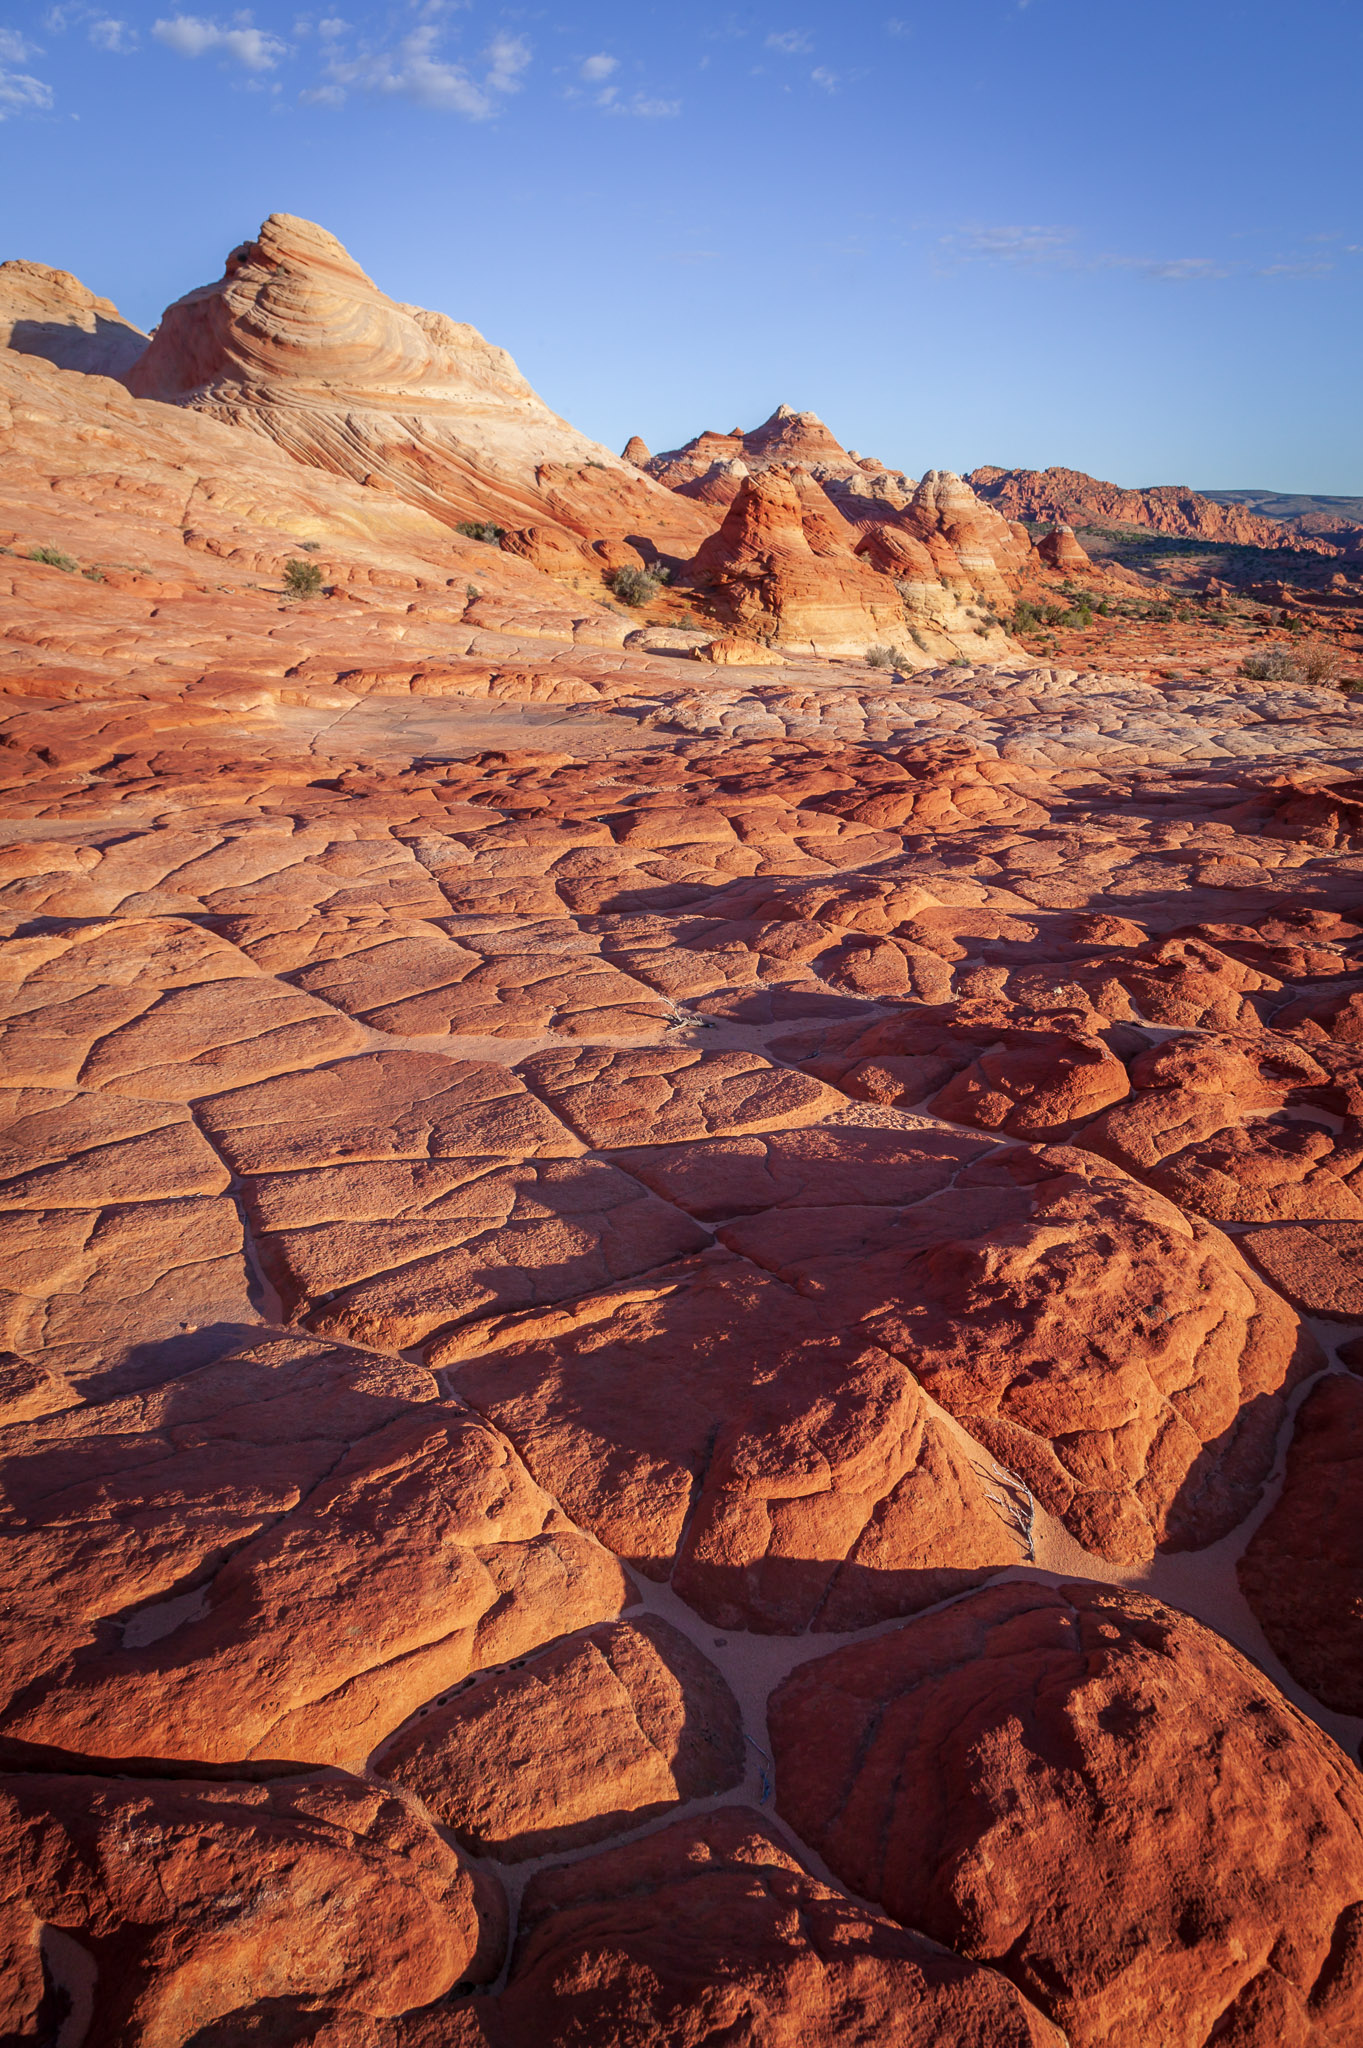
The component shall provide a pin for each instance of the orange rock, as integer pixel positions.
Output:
(1047, 1302)
(297, 343)
(1060, 550)
(711, 1931)
(731, 650)
(783, 1476)
(1302, 1572)
(49, 313)
(588, 1739)
(163, 1907)
(1000, 1776)
(213, 1634)
(772, 568)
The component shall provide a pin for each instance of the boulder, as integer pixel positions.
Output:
(1097, 1796)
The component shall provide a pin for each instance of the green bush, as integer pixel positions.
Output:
(480, 529)
(302, 579)
(1026, 619)
(54, 559)
(309, 547)
(634, 586)
(1274, 665)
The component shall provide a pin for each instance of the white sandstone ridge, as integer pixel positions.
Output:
(297, 342)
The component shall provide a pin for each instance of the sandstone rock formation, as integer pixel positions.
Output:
(51, 314)
(713, 1932)
(594, 1241)
(1000, 1776)
(295, 342)
(1069, 495)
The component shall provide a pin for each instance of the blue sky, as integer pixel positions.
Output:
(1125, 237)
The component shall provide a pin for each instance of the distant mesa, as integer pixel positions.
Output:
(49, 313)
(1069, 496)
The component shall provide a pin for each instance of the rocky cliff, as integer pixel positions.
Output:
(1068, 496)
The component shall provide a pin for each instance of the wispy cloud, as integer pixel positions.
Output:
(1029, 245)
(22, 94)
(791, 42)
(191, 36)
(597, 69)
(821, 75)
(20, 91)
(415, 70)
(1038, 247)
(647, 109)
(114, 36)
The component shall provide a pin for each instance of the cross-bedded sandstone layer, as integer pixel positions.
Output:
(676, 1338)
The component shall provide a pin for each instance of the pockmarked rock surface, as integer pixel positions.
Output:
(596, 1198)
(1098, 1797)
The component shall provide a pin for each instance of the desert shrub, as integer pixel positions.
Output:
(882, 657)
(634, 586)
(1319, 663)
(93, 575)
(917, 639)
(471, 591)
(1026, 618)
(309, 547)
(54, 558)
(302, 579)
(1274, 665)
(479, 529)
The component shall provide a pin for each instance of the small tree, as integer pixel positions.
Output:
(302, 579)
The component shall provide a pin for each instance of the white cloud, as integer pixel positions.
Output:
(597, 68)
(190, 36)
(1054, 248)
(21, 94)
(14, 49)
(821, 75)
(1029, 245)
(791, 42)
(646, 109)
(331, 26)
(414, 71)
(507, 57)
(116, 36)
